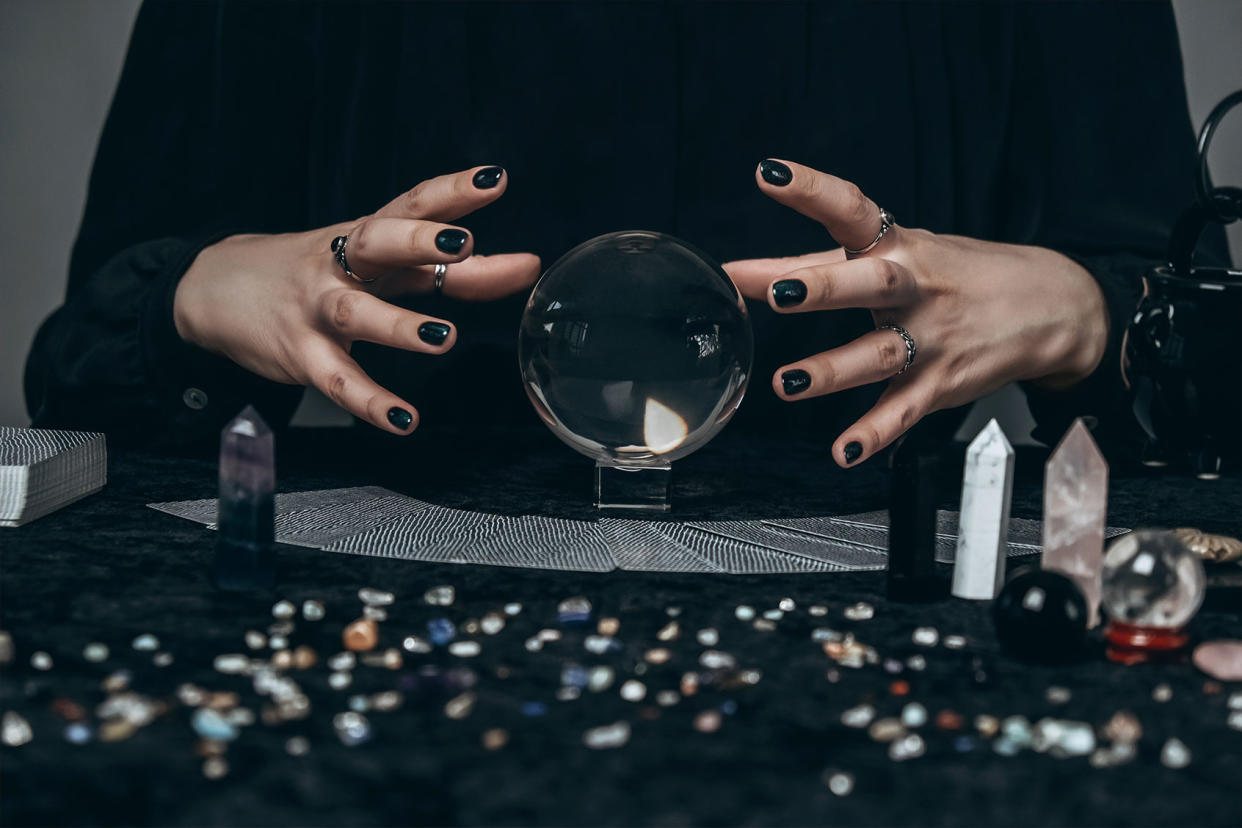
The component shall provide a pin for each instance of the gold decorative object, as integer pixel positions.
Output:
(1214, 548)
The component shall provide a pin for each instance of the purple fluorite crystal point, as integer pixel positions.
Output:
(245, 516)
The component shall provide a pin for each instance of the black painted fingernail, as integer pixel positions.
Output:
(400, 418)
(488, 177)
(451, 241)
(788, 292)
(775, 173)
(433, 333)
(795, 381)
(853, 451)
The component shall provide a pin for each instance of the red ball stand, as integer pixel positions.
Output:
(1133, 644)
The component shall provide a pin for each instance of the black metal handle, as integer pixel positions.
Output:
(1222, 205)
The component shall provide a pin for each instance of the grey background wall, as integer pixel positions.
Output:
(59, 63)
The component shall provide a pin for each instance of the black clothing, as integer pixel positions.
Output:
(1063, 125)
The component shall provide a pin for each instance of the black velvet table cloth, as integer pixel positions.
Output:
(108, 569)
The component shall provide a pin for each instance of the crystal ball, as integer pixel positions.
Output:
(635, 348)
(1151, 579)
(1041, 616)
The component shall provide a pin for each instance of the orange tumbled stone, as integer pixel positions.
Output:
(949, 720)
(899, 688)
(361, 635)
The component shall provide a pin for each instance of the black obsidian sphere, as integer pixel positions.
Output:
(1041, 616)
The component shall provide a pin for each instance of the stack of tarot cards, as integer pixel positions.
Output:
(42, 470)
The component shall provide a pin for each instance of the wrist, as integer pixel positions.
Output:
(1086, 329)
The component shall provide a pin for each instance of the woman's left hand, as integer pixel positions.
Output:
(982, 314)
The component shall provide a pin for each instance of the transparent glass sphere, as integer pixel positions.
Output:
(635, 348)
(1152, 579)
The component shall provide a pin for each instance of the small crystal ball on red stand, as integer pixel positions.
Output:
(1152, 586)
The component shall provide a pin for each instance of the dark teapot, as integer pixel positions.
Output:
(1182, 353)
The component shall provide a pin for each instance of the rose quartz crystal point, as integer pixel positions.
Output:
(1075, 507)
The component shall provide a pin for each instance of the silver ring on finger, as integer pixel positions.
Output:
(440, 270)
(338, 252)
(886, 223)
(911, 348)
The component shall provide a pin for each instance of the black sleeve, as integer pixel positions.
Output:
(195, 147)
(1101, 162)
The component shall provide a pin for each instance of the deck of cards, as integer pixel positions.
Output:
(43, 470)
(378, 522)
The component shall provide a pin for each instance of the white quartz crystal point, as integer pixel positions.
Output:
(1075, 508)
(982, 538)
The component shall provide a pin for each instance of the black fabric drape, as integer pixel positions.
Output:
(1063, 125)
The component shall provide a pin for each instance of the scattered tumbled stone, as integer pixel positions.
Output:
(41, 660)
(917, 663)
(283, 609)
(817, 610)
(1077, 739)
(669, 632)
(914, 715)
(414, 644)
(657, 655)
(786, 605)
(361, 635)
(608, 736)
(600, 644)
(861, 611)
(949, 720)
(859, 716)
(492, 623)
(342, 661)
(375, 613)
(608, 625)
(1124, 726)
(6, 647)
(1235, 720)
(633, 691)
(351, 727)
(215, 767)
(304, 657)
(285, 627)
(465, 649)
(774, 614)
(513, 608)
(1057, 694)
(116, 681)
(840, 783)
(954, 642)
(255, 640)
(764, 624)
(600, 678)
(162, 659)
(340, 680)
(926, 636)
(717, 660)
(909, 746)
(707, 721)
(568, 693)
(95, 652)
(313, 610)
(1162, 692)
(210, 724)
(744, 613)
(1017, 729)
(534, 644)
(440, 596)
(495, 738)
(116, 730)
(708, 637)
(358, 703)
(1175, 754)
(459, 707)
(78, 733)
(278, 642)
(15, 731)
(386, 701)
(373, 597)
(297, 746)
(987, 725)
(441, 631)
(886, 730)
(573, 610)
(231, 663)
(667, 698)
(893, 666)
(672, 612)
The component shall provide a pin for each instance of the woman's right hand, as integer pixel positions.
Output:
(283, 308)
